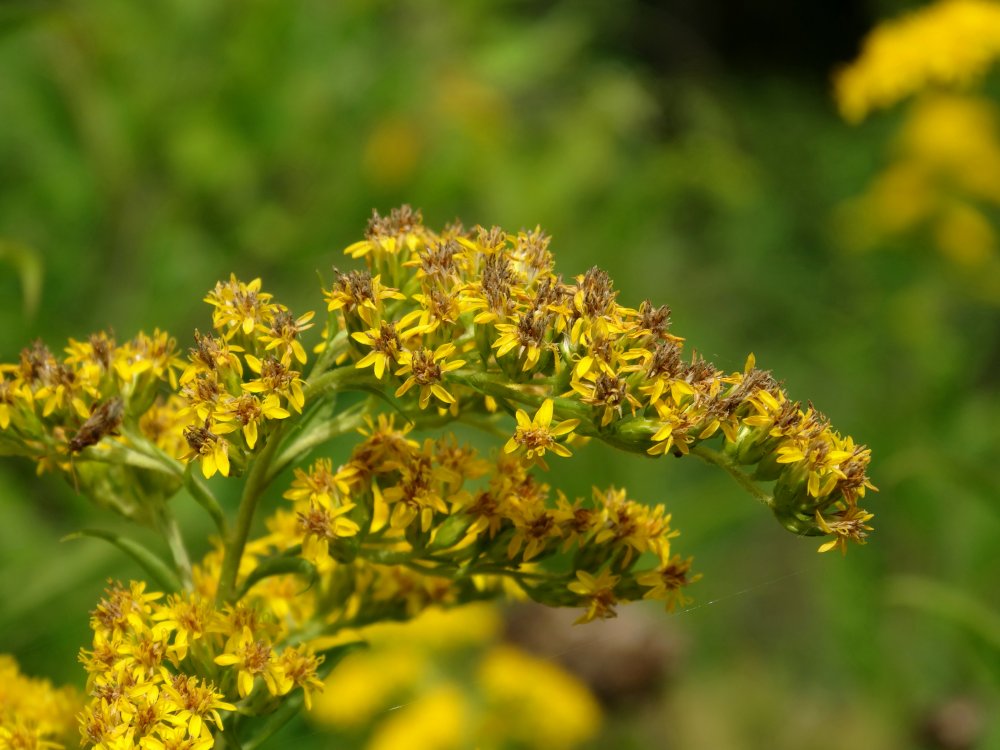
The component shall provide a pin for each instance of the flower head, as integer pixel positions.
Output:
(537, 434)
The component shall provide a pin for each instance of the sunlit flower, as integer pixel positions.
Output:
(427, 370)
(537, 434)
(253, 658)
(284, 335)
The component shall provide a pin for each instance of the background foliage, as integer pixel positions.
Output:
(149, 149)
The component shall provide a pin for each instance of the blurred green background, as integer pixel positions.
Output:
(692, 150)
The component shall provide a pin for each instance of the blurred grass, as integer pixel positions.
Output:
(149, 149)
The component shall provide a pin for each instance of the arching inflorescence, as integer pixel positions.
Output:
(436, 329)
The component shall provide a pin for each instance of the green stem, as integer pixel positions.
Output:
(204, 497)
(342, 378)
(261, 475)
(252, 490)
(197, 489)
(335, 345)
(167, 524)
(315, 436)
(732, 468)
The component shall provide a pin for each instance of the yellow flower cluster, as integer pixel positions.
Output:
(161, 672)
(440, 328)
(495, 327)
(948, 43)
(944, 177)
(34, 715)
(443, 511)
(52, 407)
(227, 397)
(512, 698)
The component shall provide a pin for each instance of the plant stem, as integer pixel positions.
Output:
(252, 490)
(730, 467)
(261, 475)
(204, 497)
(167, 524)
(315, 436)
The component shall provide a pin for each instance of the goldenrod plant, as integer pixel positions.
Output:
(948, 43)
(941, 179)
(437, 329)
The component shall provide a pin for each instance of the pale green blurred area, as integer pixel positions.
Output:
(148, 149)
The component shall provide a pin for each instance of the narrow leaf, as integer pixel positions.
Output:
(157, 569)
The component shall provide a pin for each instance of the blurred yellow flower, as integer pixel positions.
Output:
(435, 721)
(951, 43)
(534, 702)
(404, 684)
(944, 178)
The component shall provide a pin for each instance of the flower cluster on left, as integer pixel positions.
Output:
(33, 714)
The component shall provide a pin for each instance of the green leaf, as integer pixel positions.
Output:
(158, 570)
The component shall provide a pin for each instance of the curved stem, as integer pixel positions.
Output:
(730, 467)
(167, 524)
(204, 497)
(197, 489)
(313, 437)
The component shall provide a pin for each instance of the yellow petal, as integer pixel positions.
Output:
(250, 433)
(543, 417)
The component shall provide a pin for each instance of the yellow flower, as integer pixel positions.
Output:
(385, 342)
(300, 665)
(164, 424)
(211, 355)
(668, 581)
(248, 411)
(240, 307)
(360, 292)
(322, 524)
(275, 377)
(950, 42)
(847, 524)
(599, 591)
(427, 369)
(168, 738)
(188, 618)
(34, 714)
(527, 335)
(537, 435)
(123, 608)
(532, 702)
(211, 448)
(254, 658)
(11, 392)
(284, 334)
(195, 704)
(321, 483)
(402, 230)
(155, 354)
